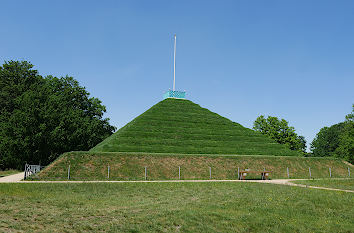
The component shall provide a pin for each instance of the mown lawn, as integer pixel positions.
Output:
(173, 207)
(8, 172)
(347, 184)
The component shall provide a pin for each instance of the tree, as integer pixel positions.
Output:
(345, 147)
(44, 117)
(327, 140)
(280, 131)
(336, 140)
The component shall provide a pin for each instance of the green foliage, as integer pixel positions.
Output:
(327, 140)
(173, 207)
(44, 117)
(181, 126)
(280, 131)
(336, 140)
(345, 148)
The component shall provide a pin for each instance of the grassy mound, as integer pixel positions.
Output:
(181, 126)
(131, 166)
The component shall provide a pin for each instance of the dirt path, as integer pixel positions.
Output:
(12, 178)
(317, 187)
(17, 178)
(289, 182)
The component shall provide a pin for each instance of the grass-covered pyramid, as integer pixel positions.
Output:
(181, 126)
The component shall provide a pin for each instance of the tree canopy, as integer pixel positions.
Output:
(42, 117)
(327, 140)
(280, 131)
(336, 140)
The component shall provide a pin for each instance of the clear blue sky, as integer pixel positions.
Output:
(292, 59)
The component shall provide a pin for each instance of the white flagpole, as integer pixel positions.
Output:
(174, 65)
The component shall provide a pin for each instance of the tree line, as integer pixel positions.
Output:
(336, 140)
(42, 117)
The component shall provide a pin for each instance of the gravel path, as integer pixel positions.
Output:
(317, 187)
(289, 182)
(12, 178)
(17, 178)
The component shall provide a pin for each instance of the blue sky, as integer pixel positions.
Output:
(292, 59)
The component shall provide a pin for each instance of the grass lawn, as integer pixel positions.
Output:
(171, 207)
(338, 184)
(8, 172)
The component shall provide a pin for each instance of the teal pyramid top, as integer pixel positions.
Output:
(174, 94)
(181, 126)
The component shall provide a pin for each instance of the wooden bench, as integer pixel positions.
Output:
(243, 174)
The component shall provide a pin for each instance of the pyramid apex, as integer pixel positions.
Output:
(175, 94)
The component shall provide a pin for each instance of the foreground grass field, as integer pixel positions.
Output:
(347, 184)
(131, 166)
(171, 207)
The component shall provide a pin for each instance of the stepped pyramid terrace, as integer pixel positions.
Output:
(177, 125)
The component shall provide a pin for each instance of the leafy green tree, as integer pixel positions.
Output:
(280, 131)
(336, 140)
(345, 147)
(42, 117)
(327, 140)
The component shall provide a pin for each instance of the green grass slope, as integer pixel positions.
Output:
(181, 126)
(130, 166)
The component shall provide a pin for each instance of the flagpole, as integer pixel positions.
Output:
(174, 65)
